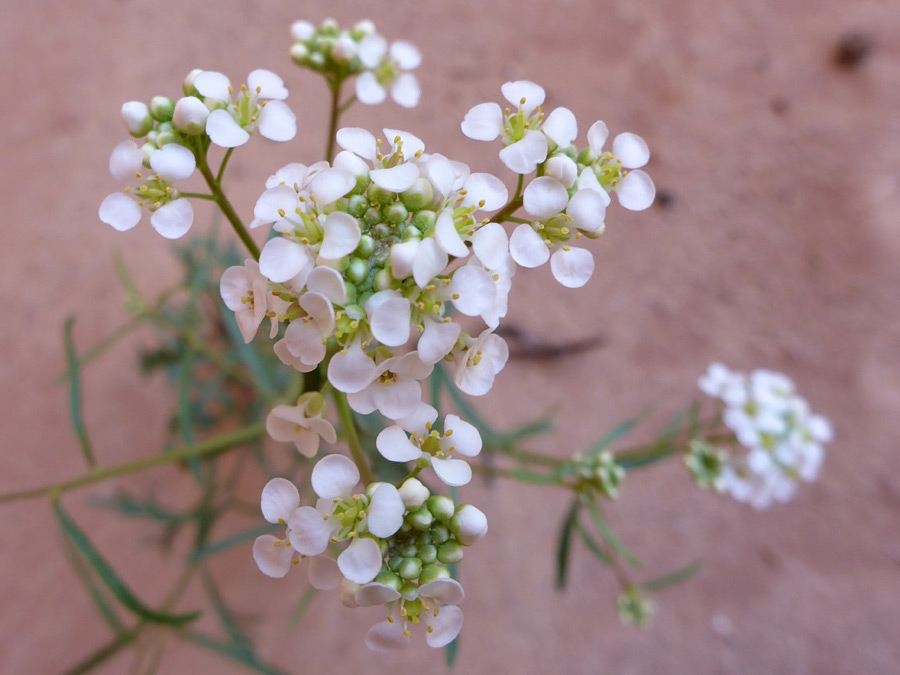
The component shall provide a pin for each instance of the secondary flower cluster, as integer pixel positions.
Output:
(176, 136)
(783, 437)
(398, 543)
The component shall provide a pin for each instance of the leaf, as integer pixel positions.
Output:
(204, 552)
(610, 536)
(130, 507)
(565, 544)
(75, 394)
(89, 581)
(617, 433)
(262, 374)
(451, 652)
(592, 544)
(109, 577)
(105, 652)
(134, 303)
(526, 476)
(229, 651)
(672, 578)
(226, 617)
(655, 454)
(305, 601)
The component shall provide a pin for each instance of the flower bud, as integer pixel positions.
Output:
(419, 195)
(188, 85)
(302, 30)
(420, 519)
(449, 552)
(299, 52)
(439, 534)
(395, 213)
(432, 572)
(427, 553)
(190, 115)
(413, 493)
(441, 507)
(329, 26)
(383, 280)
(161, 108)
(137, 118)
(380, 195)
(366, 246)
(357, 206)
(410, 568)
(344, 49)
(394, 563)
(389, 579)
(363, 28)
(423, 220)
(356, 270)
(469, 524)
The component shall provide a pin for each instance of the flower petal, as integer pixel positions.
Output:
(368, 90)
(386, 637)
(309, 531)
(360, 561)
(173, 162)
(491, 244)
(447, 591)
(588, 210)
(174, 219)
(487, 188)
(448, 237)
(454, 472)
(527, 248)
(330, 185)
(406, 91)
(277, 121)
(324, 574)
(447, 625)
(437, 340)
(372, 49)
(596, 136)
(375, 594)
(282, 259)
(358, 141)
(636, 191)
(120, 211)
(430, 260)
(212, 85)
(268, 84)
(523, 156)
(280, 498)
(545, 197)
(462, 435)
(342, 235)
(483, 122)
(397, 178)
(394, 445)
(389, 317)
(523, 94)
(272, 555)
(328, 281)
(386, 509)
(125, 160)
(572, 267)
(631, 149)
(406, 54)
(224, 131)
(561, 126)
(334, 476)
(351, 371)
(471, 290)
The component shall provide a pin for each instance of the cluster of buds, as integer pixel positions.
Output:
(598, 473)
(782, 437)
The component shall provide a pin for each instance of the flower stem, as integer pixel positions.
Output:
(336, 110)
(512, 205)
(206, 448)
(359, 456)
(227, 208)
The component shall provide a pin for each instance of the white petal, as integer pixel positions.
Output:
(309, 531)
(572, 268)
(596, 136)
(224, 131)
(532, 94)
(405, 91)
(464, 436)
(419, 419)
(277, 121)
(402, 258)
(375, 594)
(320, 309)
(385, 513)
(389, 316)
(448, 237)
(368, 90)
(386, 637)
(563, 168)
(588, 181)
(372, 49)
(471, 525)
(430, 261)
(280, 498)
(358, 141)
(471, 290)
(527, 248)
(437, 341)
(351, 163)
(439, 170)
(174, 219)
(447, 625)
(395, 446)
(120, 211)
(483, 122)
(397, 178)
(545, 197)
(126, 160)
(400, 399)
(454, 472)
(491, 244)
(302, 30)
(412, 144)
(173, 162)
(487, 188)
(342, 235)
(588, 210)
(304, 341)
(360, 561)
(269, 84)
(273, 560)
(233, 286)
(406, 54)
(636, 191)
(334, 476)
(324, 574)
(523, 156)
(561, 126)
(631, 149)
(281, 198)
(213, 85)
(330, 185)
(352, 371)
(328, 282)
(282, 259)
(447, 591)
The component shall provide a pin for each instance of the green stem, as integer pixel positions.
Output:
(206, 448)
(512, 205)
(223, 165)
(197, 195)
(336, 111)
(359, 456)
(227, 208)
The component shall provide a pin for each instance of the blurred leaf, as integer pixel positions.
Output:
(229, 651)
(89, 581)
(109, 577)
(695, 419)
(526, 476)
(208, 550)
(672, 578)
(620, 431)
(263, 375)
(130, 507)
(133, 302)
(565, 544)
(75, 394)
(451, 652)
(592, 544)
(237, 637)
(300, 610)
(654, 454)
(105, 652)
(610, 536)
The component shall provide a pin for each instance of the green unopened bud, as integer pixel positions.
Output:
(419, 196)
(372, 216)
(412, 233)
(439, 534)
(148, 149)
(441, 507)
(188, 85)
(189, 116)
(428, 553)
(137, 118)
(329, 26)
(420, 519)
(408, 550)
(395, 213)
(389, 579)
(413, 493)
(432, 572)
(299, 52)
(362, 28)
(315, 60)
(357, 206)
(383, 280)
(166, 137)
(366, 246)
(371, 487)
(469, 524)
(380, 195)
(450, 552)
(313, 403)
(356, 270)
(410, 568)
(423, 539)
(161, 108)
(423, 220)
(394, 563)
(410, 593)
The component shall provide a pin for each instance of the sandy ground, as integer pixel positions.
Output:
(776, 248)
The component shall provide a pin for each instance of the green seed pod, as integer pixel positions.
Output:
(441, 507)
(423, 220)
(395, 213)
(449, 552)
(423, 539)
(410, 568)
(432, 572)
(419, 195)
(428, 553)
(421, 518)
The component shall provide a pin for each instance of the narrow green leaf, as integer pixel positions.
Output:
(126, 505)
(526, 476)
(229, 651)
(204, 552)
(226, 616)
(672, 578)
(134, 303)
(75, 394)
(623, 429)
(565, 544)
(694, 415)
(451, 652)
(655, 454)
(88, 580)
(300, 610)
(105, 652)
(610, 536)
(592, 544)
(109, 577)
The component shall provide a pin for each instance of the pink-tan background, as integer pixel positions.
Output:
(778, 248)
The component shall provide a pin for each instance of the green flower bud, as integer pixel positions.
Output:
(432, 572)
(329, 26)
(299, 52)
(423, 220)
(372, 216)
(189, 116)
(161, 108)
(419, 196)
(423, 539)
(362, 184)
(188, 85)
(441, 507)
(166, 137)
(357, 206)
(410, 592)
(389, 579)
(383, 280)
(408, 551)
(362, 29)
(356, 270)
(420, 519)
(410, 568)
(316, 60)
(439, 534)
(137, 118)
(411, 233)
(395, 213)
(394, 563)
(366, 246)
(428, 553)
(380, 195)
(413, 493)
(450, 552)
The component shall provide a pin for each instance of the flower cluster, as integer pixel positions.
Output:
(783, 438)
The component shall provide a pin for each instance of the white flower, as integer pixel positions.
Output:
(394, 389)
(259, 104)
(635, 189)
(275, 557)
(294, 424)
(387, 69)
(306, 335)
(479, 361)
(244, 291)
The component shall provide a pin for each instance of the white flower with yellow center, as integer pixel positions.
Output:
(245, 292)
